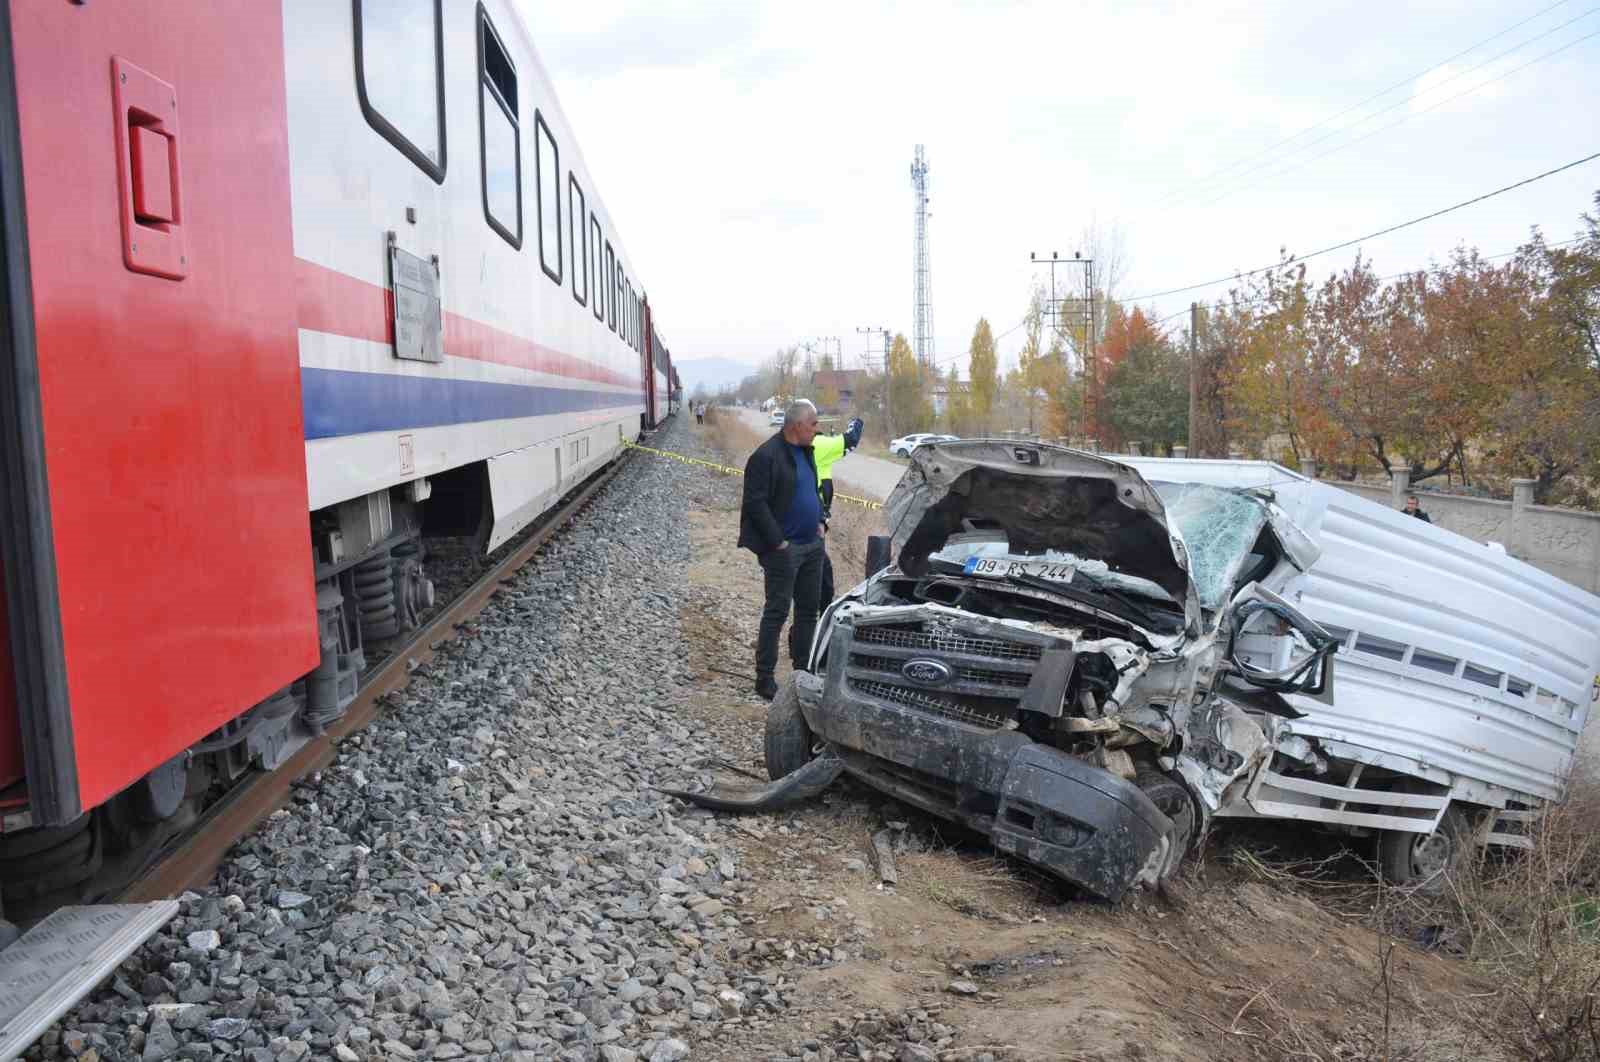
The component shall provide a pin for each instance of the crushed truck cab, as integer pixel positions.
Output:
(1091, 660)
(1047, 661)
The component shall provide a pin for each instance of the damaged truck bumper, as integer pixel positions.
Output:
(1074, 820)
(793, 788)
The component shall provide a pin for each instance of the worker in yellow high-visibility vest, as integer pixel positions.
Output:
(827, 449)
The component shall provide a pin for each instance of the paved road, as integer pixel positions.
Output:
(856, 473)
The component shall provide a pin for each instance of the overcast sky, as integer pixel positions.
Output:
(755, 157)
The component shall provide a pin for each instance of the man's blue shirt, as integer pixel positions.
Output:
(805, 511)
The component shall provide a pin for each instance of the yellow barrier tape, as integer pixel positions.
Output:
(729, 470)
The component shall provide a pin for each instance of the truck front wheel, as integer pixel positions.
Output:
(1425, 862)
(788, 738)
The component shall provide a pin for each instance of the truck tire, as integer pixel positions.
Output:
(1172, 799)
(1425, 862)
(788, 739)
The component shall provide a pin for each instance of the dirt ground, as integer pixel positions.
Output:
(1222, 967)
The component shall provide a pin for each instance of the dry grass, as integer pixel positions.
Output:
(1533, 922)
(1528, 921)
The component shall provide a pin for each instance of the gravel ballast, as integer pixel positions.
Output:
(486, 871)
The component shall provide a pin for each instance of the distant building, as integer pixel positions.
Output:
(943, 392)
(843, 382)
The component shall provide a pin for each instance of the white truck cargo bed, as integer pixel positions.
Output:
(1459, 664)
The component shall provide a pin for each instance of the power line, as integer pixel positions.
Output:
(1398, 122)
(1369, 236)
(1183, 194)
(1357, 106)
(1390, 276)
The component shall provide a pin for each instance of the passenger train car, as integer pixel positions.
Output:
(289, 285)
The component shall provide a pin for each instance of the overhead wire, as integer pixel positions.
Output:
(1301, 164)
(1391, 276)
(1357, 106)
(1369, 236)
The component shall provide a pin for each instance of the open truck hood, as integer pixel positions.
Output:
(1045, 498)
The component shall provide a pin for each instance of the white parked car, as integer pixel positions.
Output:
(776, 419)
(903, 446)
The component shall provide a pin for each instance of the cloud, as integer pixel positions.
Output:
(754, 156)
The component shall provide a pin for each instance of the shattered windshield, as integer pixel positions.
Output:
(995, 546)
(1218, 527)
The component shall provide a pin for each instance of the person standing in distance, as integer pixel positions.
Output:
(780, 521)
(827, 449)
(1413, 509)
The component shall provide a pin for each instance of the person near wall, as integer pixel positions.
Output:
(1413, 509)
(780, 521)
(828, 449)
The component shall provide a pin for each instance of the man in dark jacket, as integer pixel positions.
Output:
(1413, 509)
(781, 523)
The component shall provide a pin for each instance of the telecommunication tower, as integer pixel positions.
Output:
(921, 268)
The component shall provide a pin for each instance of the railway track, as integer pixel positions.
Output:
(192, 860)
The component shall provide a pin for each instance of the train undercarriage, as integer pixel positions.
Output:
(372, 592)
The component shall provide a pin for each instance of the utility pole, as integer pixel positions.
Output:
(1194, 373)
(888, 376)
(1080, 317)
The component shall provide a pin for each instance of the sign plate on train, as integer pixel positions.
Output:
(418, 322)
(1000, 568)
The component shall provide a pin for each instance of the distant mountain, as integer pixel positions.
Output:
(714, 373)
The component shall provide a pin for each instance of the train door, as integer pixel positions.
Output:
(647, 366)
(157, 552)
(18, 417)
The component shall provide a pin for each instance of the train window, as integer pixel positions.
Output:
(547, 171)
(611, 300)
(501, 135)
(580, 246)
(616, 286)
(402, 100)
(593, 251)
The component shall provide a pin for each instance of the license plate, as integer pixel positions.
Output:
(995, 568)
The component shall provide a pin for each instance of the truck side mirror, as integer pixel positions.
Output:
(879, 553)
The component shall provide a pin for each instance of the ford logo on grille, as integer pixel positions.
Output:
(926, 672)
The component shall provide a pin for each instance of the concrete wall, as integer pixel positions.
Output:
(1563, 542)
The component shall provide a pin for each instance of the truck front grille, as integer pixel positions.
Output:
(990, 719)
(914, 636)
(890, 665)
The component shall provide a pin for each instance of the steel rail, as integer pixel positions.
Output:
(191, 863)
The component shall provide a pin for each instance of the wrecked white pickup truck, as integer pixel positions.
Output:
(1089, 660)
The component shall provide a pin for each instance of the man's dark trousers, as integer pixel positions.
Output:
(793, 576)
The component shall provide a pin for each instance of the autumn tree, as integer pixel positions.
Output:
(1125, 330)
(909, 409)
(1146, 394)
(1546, 425)
(983, 371)
(1028, 379)
(1222, 332)
(958, 413)
(1063, 391)
(1272, 385)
